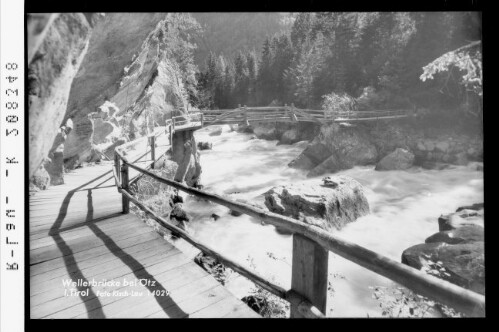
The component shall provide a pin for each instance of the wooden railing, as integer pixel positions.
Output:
(311, 246)
(287, 113)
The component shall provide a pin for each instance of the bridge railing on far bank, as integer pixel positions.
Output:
(311, 247)
(246, 115)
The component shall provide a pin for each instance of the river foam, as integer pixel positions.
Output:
(404, 206)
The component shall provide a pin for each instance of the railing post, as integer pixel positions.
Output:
(309, 273)
(293, 115)
(124, 185)
(117, 165)
(153, 150)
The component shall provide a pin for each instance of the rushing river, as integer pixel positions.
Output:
(404, 206)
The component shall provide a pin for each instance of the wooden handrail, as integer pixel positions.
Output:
(291, 296)
(307, 302)
(466, 301)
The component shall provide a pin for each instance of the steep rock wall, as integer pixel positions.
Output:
(50, 73)
(122, 58)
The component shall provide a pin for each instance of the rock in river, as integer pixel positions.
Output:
(456, 253)
(323, 206)
(462, 264)
(398, 159)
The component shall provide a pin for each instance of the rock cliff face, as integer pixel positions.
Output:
(110, 76)
(50, 73)
(122, 58)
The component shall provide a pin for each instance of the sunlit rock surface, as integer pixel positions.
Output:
(325, 206)
(121, 60)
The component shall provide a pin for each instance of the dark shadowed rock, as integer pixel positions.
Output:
(463, 264)
(256, 302)
(290, 136)
(179, 213)
(302, 162)
(265, 131)
(216, 132)
(205, 146)
(399, 159)
(326, 207)
(459, 235)
(177, 199)
(212, 266)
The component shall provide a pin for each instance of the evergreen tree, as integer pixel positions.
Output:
(252, 62)
(241, 87)
(265, 88)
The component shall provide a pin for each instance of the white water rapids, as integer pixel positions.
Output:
(404, 207)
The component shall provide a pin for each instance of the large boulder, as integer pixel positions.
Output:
(336, 148)
(327, 207)
(462, 264)
(399, 159)
(314, 154)
(265, 131)
(456, 253)
(290, 136)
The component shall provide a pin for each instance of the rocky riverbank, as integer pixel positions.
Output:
(456, 252)
(391, 145)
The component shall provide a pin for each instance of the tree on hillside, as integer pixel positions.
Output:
(252, 62)
(265, 84)
(241, 87)
(468, 61)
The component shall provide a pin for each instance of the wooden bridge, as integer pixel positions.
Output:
(83, 230)
(247, 115)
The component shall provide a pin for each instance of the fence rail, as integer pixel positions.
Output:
(311, 246)
(287, 113)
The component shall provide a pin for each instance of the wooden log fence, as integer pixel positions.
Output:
(311, 244)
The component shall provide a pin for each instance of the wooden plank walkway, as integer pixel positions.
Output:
(78, 234)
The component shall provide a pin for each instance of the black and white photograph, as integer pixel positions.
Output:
(264, 164)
